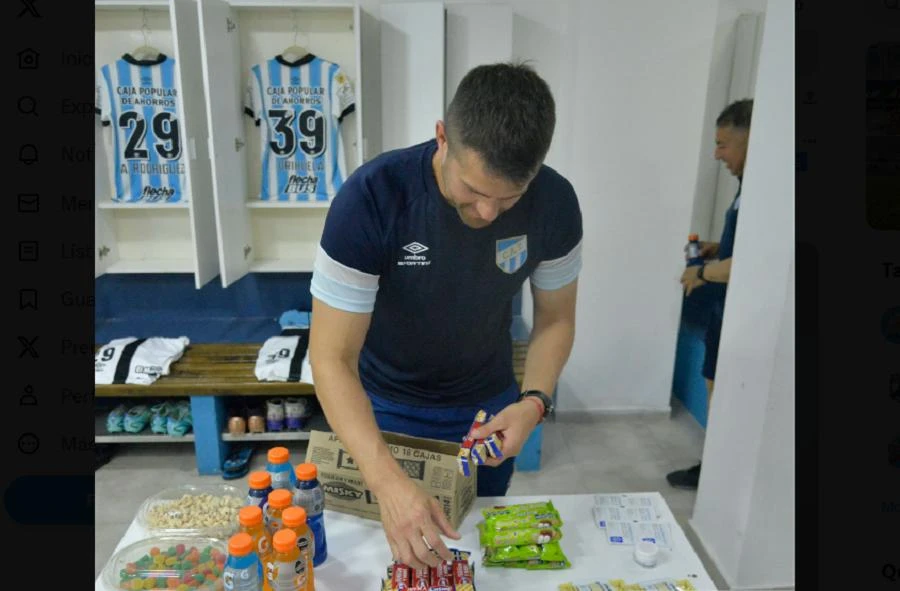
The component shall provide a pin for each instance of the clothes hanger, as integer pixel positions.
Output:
(294, 52)
(145, 51)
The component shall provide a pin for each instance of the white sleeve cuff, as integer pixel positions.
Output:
(342, 287)
(557, 273)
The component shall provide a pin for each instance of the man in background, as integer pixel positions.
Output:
(732, 136)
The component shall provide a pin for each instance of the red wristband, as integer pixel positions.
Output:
(540, 406)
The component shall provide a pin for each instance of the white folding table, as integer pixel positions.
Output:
(358, 553)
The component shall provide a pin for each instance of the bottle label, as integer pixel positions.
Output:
(313, 500)
(286, 576)
(306, 546)
(260, 501)
(262, 545)
(242, 579)
(281, 480)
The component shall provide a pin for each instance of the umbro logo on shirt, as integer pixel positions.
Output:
(415, 248)
(415, 258)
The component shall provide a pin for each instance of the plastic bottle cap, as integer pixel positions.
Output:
(293, 516)
(250, 515)
(280, 498)
(284, 540)
(260, 479)
(278, 455)
(646, 554)
(694, 237)
(306, 471)
(240, 544)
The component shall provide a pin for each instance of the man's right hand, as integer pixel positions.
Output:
(709, 250)
(409, 514)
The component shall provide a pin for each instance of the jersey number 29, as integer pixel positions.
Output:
(165, 130)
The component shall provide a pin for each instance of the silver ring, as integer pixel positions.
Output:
(430, 548)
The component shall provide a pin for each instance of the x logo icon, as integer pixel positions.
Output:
(28, 347)
(29, 8)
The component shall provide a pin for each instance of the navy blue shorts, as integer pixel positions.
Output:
(713, 332)
(449, 424)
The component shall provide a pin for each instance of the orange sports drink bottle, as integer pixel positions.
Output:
(285, 570)
(294, 518)
(279, 500)
(250, 519)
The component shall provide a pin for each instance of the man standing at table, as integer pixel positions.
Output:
(732, 136)
(423, 250)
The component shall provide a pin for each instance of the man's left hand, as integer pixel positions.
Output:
(514, 423)
(690, 281)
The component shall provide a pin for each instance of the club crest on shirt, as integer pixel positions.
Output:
(512, 253)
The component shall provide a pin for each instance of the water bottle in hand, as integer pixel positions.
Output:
(693, 251)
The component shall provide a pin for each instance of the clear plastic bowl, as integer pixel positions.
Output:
(209, 510)
(133, 565)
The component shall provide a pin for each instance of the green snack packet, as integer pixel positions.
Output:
(524, 520)
(519, 537)
(512, 553)
(526, 508)
(535, 564)
(545, 552)
(544, 565)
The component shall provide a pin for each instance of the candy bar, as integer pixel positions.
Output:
(400, 577)
(442, 575)
(492, 442)
(462, 576)
(460, 554)
(463, 463)
(479, 454)
(420, 580)
(480, 419)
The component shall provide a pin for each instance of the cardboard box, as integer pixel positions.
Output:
(430, 463)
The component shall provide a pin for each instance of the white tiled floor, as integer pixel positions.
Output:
(618, 453)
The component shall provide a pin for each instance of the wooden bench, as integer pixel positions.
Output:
(222, 369)
(207, 373)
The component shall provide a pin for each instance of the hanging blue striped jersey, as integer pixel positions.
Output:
(302, 104)
(138, 99)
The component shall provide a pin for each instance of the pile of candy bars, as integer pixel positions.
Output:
(457, 575)
(478, 450)
(522, 536)
(620, 585)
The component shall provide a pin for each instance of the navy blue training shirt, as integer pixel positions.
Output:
(440, 293)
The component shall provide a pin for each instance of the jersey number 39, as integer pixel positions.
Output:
(310, 129)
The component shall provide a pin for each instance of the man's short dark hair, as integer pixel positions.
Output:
(737, 114)
(504, 112)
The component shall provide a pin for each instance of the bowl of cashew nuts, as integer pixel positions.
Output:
(206, 510)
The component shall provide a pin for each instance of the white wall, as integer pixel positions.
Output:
(715, 185)
(637, 98)
(764, 563)
(412, 71)
(744, 509)
(477, 33)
